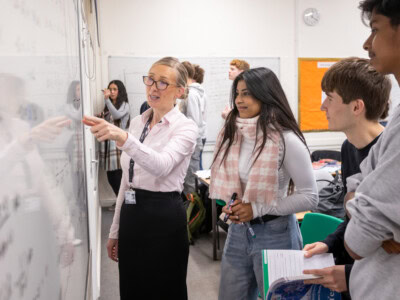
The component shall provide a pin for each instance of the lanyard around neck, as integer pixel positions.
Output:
(144, 134)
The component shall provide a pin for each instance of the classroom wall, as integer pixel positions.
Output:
(340, 33)
(160, 28)
(260, 28)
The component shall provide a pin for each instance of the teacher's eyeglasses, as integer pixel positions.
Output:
(160, 85)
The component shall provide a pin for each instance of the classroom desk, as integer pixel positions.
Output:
(205, 181)
(217, 252)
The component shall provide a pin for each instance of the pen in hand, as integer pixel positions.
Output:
(247, 224)
(233, 198)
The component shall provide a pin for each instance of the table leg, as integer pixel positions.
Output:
(215, 235)
(214, 227)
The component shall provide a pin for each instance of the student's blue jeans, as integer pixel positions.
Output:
(241, 266)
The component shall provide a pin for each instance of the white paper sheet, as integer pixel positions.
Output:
(291, 263)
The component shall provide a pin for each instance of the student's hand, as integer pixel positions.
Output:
(106, 93)
(104, 130)
(241, 212)
(391, 247)
(236, 207)
(315, 248)
(229, 211)
(349, 196)
(333, 278)
(112, 249)
(100, 115)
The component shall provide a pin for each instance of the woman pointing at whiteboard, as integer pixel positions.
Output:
(148, 236)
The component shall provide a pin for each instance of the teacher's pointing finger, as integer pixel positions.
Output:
(91, 121)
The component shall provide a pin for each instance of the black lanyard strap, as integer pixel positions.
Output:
(144, 134)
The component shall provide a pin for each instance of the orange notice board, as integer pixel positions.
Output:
(311, 71)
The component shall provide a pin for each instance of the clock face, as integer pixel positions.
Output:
(311, 16)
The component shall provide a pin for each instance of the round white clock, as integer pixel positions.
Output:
(311, 16)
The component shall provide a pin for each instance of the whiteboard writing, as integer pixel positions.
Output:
(44, 251)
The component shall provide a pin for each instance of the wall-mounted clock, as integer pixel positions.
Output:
(311, 16)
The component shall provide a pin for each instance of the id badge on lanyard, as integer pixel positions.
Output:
(130, 194)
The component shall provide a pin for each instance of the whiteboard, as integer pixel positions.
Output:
(44, 249)
(216, 82)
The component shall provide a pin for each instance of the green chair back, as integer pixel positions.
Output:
(316, 227)
(220, 202)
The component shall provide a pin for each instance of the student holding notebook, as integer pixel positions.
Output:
(357, 98)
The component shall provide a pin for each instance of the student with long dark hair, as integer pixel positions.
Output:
(116, 111)
(257, 152)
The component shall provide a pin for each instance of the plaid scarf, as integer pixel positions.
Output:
(262, 185)
(110, 155)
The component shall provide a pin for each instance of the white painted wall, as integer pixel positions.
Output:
(340, 33)
(220, 28)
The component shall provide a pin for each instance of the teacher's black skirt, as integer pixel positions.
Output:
(153, 247)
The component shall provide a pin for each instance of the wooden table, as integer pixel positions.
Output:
(217, 252)
(206, 181)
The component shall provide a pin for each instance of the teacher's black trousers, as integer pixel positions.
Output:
(153, 247)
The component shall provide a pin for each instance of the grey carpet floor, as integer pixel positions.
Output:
(203, 272)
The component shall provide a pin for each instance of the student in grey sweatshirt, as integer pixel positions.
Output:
(192, 108)
(198, 78)
(375, 206)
